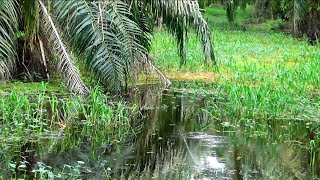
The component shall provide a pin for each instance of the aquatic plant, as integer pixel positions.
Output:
(264, 93)
(38, 127)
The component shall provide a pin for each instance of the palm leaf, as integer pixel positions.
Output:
(66, 66)
(9, 21)
(103, 35)
(187, 12)
(296, 10)
(178, 15)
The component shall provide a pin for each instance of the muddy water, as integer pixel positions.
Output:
(174, 142)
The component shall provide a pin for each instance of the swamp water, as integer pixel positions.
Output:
(188, 134)
(181, 139)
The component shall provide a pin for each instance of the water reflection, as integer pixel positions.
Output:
(171, 145)
(209, 155)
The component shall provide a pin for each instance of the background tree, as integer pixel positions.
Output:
(231, 9)
(295, 10)
(203, 3)
(303, 16)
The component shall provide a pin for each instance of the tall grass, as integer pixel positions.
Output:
(266, 86)
(38, 127)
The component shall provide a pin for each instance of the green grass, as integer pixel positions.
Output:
(30, 88)
(67, 131)
(269, 83)
(217, 15)
(266, 89)
(272, 71)
(251, 58)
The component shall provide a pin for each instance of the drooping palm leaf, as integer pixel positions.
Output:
(9, 21)
(126, 32)
(66, 65)
(103, 35)
(178, 15)
(143, 18)
(111, 37)
(189, 12)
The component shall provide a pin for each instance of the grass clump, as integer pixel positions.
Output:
(59, 136)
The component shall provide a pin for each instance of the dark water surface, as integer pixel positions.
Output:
(175, 141)
(191, 134)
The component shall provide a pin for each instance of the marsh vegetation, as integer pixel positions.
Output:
(250, 110)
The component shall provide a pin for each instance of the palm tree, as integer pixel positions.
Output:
(296, 10)
(305, 17)
(231, 9)
(110, 38)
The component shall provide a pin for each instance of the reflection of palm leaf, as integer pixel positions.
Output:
(9, 21)
(66, 66)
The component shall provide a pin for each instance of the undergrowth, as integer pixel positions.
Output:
(45, 135)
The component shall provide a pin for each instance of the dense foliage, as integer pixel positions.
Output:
(255, 115)
(110, 38)
(303, 15)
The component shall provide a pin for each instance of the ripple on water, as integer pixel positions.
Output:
(208, 160)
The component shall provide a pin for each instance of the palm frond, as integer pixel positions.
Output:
(295, 10)
(178, 15)
(190, 12)
(30, 15)
(298, 12)
(103, 34)
(66, 66)
(9, 21)
(141, 15)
